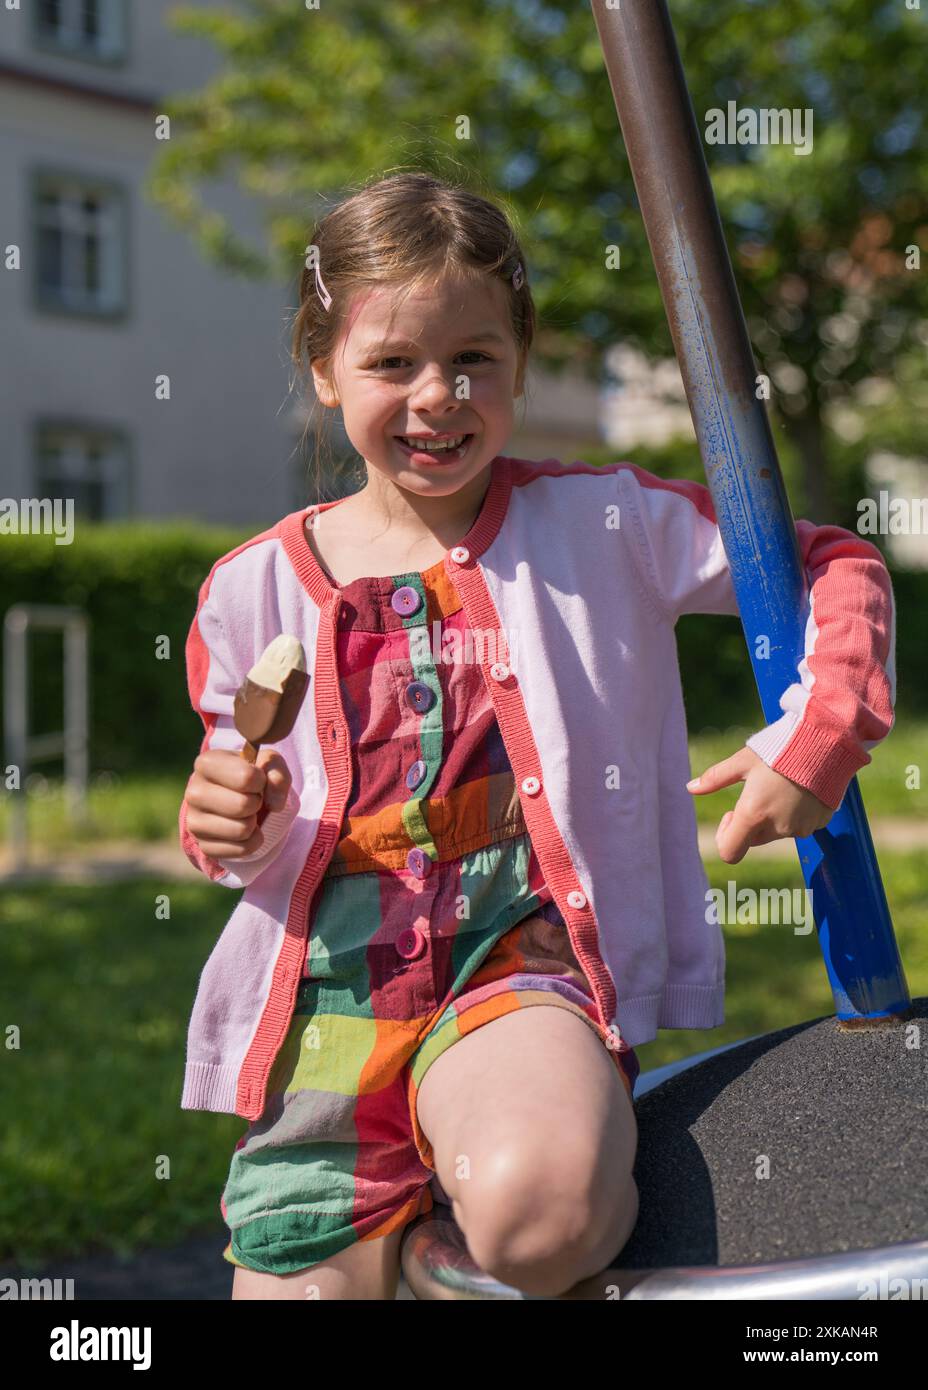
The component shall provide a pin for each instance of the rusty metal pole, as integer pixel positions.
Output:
(681, 218)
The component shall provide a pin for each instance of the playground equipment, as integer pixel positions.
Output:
(836, 1099)
(842, 1215)
(22, 749)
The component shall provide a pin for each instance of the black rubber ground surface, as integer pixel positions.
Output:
(193, 1270)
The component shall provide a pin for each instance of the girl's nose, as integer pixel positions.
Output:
(434, 388)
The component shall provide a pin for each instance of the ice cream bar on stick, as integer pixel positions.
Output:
(269, 698)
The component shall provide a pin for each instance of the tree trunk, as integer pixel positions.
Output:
(807, 434)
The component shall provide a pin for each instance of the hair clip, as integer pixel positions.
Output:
(518, 277)
(322, 291)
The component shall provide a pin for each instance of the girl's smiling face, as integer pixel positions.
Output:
(447, 364)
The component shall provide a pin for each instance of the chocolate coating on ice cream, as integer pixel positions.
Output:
(269, 699)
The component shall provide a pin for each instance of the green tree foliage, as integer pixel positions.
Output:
(312, 103)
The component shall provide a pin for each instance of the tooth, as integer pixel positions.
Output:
(432, 446)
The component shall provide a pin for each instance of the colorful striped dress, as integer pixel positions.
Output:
(433, 918)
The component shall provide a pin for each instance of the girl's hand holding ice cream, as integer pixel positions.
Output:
(227, 798)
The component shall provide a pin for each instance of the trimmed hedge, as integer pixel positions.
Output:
(138, 583)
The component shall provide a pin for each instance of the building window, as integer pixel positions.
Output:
(94, 29)
(87, 463)
(80, 230)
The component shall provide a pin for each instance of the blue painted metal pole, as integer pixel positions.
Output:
(681, 218)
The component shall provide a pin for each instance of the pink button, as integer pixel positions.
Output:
(406, 600)
(410, 943)
(419, 863)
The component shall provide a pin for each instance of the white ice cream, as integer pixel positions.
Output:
(279, 658)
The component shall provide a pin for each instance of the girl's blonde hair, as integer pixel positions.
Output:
(403, 231)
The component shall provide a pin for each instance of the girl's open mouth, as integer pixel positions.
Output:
(416, 449)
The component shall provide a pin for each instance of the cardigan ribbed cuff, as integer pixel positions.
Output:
(813, 757)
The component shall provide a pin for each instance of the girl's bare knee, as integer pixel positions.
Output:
(541, 1237)
(521, 1211)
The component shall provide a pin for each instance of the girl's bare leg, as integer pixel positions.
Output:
(368, 1270)
(534, 1135)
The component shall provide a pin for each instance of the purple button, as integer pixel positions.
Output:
(419, 863)
(410, 943)
(416, 774)
(420, 696)
(406, 600)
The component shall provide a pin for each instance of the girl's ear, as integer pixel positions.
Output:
(519, 387)
(325, 389)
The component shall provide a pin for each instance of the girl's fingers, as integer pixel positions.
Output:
(221, 849)
(233, 833)
(229, 829)
(212, 799)
(278, 777)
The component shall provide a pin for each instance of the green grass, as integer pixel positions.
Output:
(146, 807)
(885, 783)
(100, 990)
(141, 808)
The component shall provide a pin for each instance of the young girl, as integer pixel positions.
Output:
(471, 873)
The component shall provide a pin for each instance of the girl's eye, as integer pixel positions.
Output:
(470, 352)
